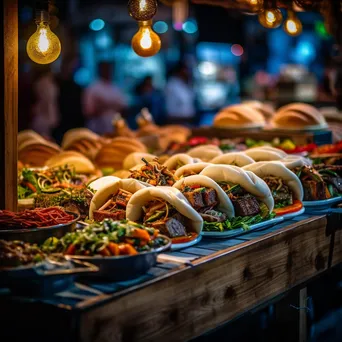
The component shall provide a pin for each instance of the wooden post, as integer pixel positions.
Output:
(9, 109)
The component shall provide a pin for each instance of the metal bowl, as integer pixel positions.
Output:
(39, 235)
(39, 280)
(124, 267)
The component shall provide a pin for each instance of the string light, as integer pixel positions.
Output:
(252, 5)
(142, 10)
(146, 42)
(270, 18)
(43, 47)
(292, 24)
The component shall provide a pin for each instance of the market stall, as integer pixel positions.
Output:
(163, 233)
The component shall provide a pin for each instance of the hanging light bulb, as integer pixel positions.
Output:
(270, 18)
(252, 6)
(43, 47)
(292, 25)
(142, 10)
(146, 42)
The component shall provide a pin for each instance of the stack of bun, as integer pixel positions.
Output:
(113, 154)
(82, 140)
(298, 116)
(78, 161)
(34, 150)
(264, 109)
(239, 116)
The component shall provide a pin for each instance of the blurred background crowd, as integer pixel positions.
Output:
(213, 58)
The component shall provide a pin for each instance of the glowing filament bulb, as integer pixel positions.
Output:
(292, 25)
(142, 5)
(146, 42)
(43, 47)
(43, 41)
(270, 18)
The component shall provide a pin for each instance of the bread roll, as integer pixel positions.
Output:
(135, 158)
(260, 154)
(239, 116)
(298, 116)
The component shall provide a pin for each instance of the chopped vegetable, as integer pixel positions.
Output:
(108, 238)
(296, 206)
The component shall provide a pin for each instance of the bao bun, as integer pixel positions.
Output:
(205, 152)
(74, 159)
(276, 169)
(182, 158)
(246, 179)
(134, 211)
(196, 168)
(135, 158)
(233, 158)
(260, 154)
(298, 116)
(111, 188)
(239, 116)
(225, 204)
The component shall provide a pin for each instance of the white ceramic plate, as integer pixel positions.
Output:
(323, 204)
(177, 246)
(292, 215)
(240, 231)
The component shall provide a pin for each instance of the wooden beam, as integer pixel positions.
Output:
(218, 288)
(9, 109)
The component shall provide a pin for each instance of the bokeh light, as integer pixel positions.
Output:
(190, 27)
(97, 25)
(237, 50)
(160, 27)
(178, 26)
(207, 68)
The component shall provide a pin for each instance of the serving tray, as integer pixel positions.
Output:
(240, 231)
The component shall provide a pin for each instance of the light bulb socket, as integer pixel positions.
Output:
(42, 16)
(145, 23)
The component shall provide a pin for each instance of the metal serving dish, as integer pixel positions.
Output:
(45, 278)
(124, 267)
(39, 235)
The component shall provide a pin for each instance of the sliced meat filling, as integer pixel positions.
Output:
(246, 206)
(280, 191)
(162, 216)
(114, 208)
(315, 191)
(100, 215)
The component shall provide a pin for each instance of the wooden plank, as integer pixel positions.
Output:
(9, 109)
(215, 290)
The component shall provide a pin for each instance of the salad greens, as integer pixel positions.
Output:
(108, 238)
(237, 222)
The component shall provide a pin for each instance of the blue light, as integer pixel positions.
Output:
(82, 77)
(103, 40)
(97, 25)
(190, 27)
(160, 27)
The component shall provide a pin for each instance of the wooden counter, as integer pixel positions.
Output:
(191, 291)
